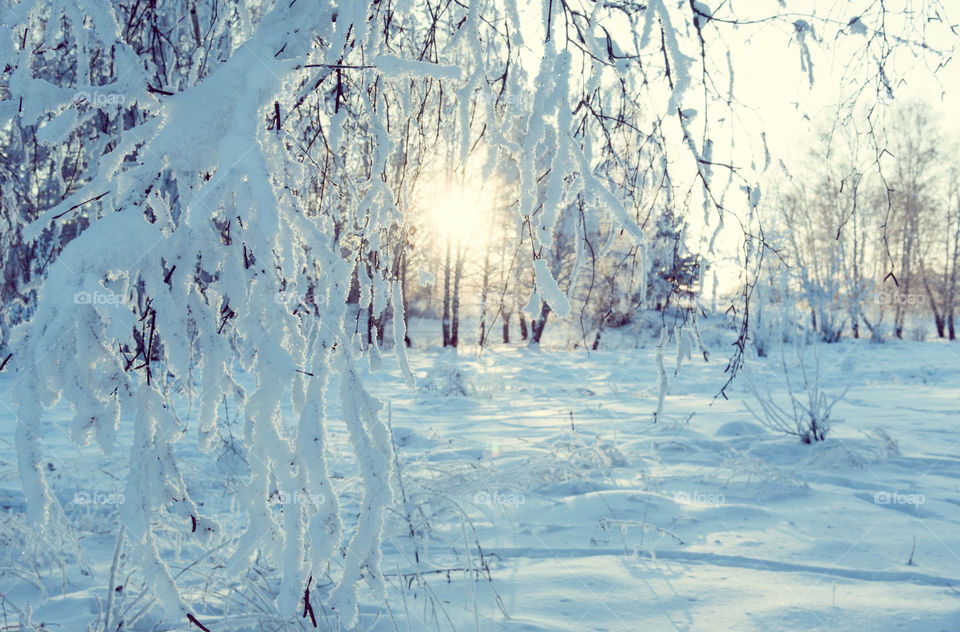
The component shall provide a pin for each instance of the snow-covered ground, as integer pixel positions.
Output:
(537, 493)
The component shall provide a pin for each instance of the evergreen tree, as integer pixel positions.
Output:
(671, 272)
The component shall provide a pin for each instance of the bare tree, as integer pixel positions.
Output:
(913, 141)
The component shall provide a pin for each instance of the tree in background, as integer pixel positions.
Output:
(672, 273)
(914, 145)
(841, 225)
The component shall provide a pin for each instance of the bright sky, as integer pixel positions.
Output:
(769, 75)
(774, 90)
(785, 106)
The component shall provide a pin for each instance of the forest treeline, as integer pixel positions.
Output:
(865, 241)
(855, 243)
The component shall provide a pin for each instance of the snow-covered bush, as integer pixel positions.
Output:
(447, 377)
(673, 274)
(806, 411)
(876, 446)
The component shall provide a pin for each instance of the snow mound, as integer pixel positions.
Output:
(739, 429)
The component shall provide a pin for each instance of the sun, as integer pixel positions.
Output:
(461, 215)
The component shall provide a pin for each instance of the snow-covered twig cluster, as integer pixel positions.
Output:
(807, 410)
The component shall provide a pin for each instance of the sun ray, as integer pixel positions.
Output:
(461, 215)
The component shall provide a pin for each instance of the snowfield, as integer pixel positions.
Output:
(537, 493)
(214, 228)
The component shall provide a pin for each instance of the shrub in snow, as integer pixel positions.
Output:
(918, 332)
(805, 410)
(447, 378)
(876, 446)
(672, 273)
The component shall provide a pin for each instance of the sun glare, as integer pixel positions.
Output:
(461, 215)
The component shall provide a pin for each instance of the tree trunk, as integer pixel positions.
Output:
(403, 300)
(952, 280)
(538, 324)
(523, 327)
(506, 329)
(938, 317)
(374, 323)
(951, 302)
(455, 300)
(485, 284)
(370, 320)
(446, 298)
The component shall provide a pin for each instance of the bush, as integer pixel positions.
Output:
(806, 414)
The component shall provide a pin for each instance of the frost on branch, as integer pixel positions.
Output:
(213, 228)
(230, 186)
